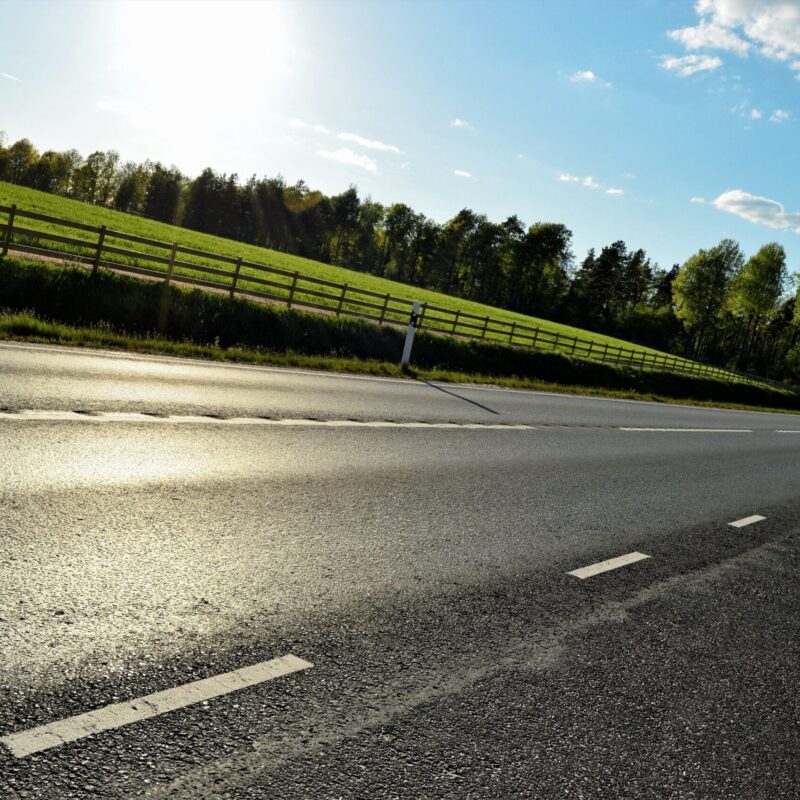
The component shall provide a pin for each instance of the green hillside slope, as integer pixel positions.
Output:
(56, 206)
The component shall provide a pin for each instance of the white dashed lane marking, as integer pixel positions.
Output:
(125, 416)
(689, 430)
(34, 415)
(107, 718)
(606, 566)
(740, 523)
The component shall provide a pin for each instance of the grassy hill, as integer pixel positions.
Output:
(56, 206)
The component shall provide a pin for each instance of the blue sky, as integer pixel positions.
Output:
(667, 124)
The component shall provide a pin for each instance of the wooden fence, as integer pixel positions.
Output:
(172, 262)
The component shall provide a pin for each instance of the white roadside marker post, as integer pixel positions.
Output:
(412, 327)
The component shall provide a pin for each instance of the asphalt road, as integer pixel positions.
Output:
(164, 522)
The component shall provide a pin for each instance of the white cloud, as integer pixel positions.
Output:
(771, 27)
(689, 65)
(631, 176)
(344, 155)
(590, 183)
(299, 123)
(779, 115)
(460, 123)
(756, 113)
(760, 210)
(371, 144)
(462, 173)
(696, 199)
(10, 77)
(712, 36)
(587, 76)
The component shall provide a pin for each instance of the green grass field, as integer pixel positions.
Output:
(56, 206)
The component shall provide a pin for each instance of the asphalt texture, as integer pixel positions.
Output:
(423, 572)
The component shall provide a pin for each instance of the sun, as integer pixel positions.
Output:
(194, 55)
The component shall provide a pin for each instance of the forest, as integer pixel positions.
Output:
(719, 306)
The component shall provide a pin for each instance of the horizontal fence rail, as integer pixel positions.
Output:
(172, 262)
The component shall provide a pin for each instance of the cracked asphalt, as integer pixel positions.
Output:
(423, 573)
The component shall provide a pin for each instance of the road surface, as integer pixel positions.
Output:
(238, 582)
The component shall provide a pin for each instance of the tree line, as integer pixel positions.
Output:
(718, 306)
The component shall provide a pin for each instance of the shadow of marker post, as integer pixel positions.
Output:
(460, 397)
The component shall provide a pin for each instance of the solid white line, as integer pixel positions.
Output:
(794, 431)
(605, 566)
(689, 430)
(740, 523)
(107, 718)
(125, 416)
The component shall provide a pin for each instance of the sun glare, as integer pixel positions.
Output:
(204, 56)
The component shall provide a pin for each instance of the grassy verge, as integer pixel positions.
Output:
(26, 327)
(51, 302)
(56, 206)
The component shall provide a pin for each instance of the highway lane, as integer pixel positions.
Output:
(422, 571)
(63, 378)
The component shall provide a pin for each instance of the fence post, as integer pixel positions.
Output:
(163, 313)
(236, 276)
(535, 339)
(485, 326)
(413, 322)
(171, 264)
(341, 299)
(9, 226)
(383, 310)
(100, 240)
(574, 345)
(455, 321)
(292, 288)
(555, 341)
(605, 353)
(511, 335)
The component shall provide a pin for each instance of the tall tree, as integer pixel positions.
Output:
(163, 196)
(661, 287)
(700, 290)
(21, 156)
(398, 225)
(90, 179)
(600, 282)
(539, 274)
(755, 292)
(345, 209)
(132, 187)
(52, 172)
